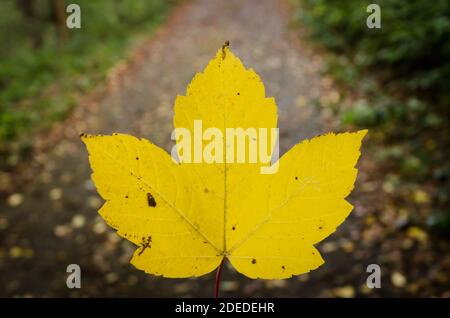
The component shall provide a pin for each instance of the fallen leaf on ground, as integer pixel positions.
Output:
(344, 292)
(398, 280)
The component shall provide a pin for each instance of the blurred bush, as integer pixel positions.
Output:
(43, 63)
(412, 43)
(403, 72)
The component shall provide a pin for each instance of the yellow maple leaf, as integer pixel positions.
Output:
(187, 216)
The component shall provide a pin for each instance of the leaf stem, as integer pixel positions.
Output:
(218, 278)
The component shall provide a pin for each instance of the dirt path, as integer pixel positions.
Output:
(57, 224)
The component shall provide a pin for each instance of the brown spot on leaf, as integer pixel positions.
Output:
(253, 261)
(145, 244)
(151, 200)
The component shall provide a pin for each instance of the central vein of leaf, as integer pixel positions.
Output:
(225, 190)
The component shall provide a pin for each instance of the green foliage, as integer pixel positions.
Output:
(38, 82)
(403, 72)
(412, 43)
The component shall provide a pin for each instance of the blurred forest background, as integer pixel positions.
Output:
(394, 81)
(44, 66)
(399, 81)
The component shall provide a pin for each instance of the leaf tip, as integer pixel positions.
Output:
(226, 45)
(225, 49)
(84, 137)
(362, 132)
